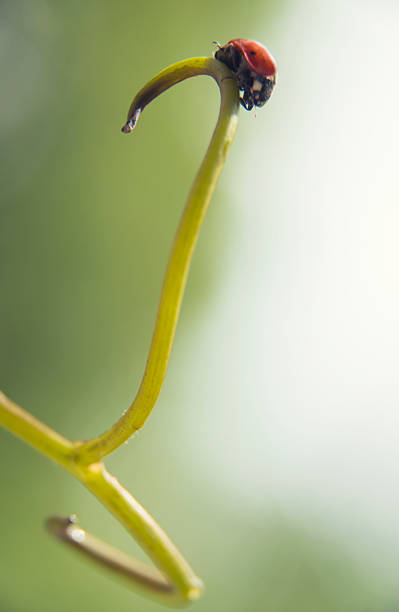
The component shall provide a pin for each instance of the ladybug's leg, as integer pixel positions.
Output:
(247, 99)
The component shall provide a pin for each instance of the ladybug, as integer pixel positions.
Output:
(254, 68)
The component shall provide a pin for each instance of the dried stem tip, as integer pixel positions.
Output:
(131, 123)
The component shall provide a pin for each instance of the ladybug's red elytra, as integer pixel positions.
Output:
(254, 68)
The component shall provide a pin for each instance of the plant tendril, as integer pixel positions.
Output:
(172, 581)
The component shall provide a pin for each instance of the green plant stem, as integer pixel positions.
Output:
(174, 582)
(34, 432)
(182, 249)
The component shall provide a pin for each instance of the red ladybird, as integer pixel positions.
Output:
(254, 68)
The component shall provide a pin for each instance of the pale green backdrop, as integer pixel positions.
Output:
(271, 457)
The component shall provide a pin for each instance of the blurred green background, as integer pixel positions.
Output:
(271, 458)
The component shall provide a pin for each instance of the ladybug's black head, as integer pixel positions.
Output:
(230, 56)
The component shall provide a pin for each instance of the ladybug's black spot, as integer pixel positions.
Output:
(252, 53)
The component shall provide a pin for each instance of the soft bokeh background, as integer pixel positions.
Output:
(272, 455)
